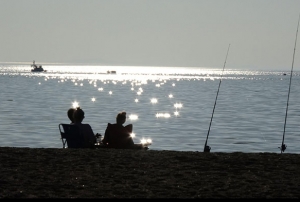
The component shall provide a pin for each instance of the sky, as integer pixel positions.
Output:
(261, 34)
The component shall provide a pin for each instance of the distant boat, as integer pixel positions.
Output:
(37, 68)
(111, 72)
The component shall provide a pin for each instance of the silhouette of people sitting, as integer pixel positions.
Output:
(86, 129)
(71, 114)
(118, 136)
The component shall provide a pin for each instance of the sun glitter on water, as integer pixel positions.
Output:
(75, 104)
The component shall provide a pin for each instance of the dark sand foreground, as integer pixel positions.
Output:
(110, 173)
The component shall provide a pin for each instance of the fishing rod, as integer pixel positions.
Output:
(283, 146)
(206, 147)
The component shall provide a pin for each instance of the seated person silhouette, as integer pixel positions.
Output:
(71, 114)
(86, 130)
(118, 136)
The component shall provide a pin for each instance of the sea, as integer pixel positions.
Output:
(177, 108)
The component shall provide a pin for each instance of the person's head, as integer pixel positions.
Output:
(78, 115)
(71, 113)
(121, 117)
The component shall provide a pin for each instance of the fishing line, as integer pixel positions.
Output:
(206, 147)
(283, 146)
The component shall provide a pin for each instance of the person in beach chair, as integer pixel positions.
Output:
(118, 136)
(86, 130)
(71, 136)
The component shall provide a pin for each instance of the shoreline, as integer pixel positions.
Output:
(126, 173)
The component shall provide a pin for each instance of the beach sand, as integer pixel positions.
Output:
(113, 173)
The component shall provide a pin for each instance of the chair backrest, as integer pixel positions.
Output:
(71, 135)
(62, 134)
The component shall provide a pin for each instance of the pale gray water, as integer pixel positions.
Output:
(249, 114)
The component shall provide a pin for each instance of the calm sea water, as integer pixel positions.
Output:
(171, 106)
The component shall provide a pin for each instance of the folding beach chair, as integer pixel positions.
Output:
(62, 134)
(71, 136)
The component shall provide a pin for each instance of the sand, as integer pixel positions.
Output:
(118, 173)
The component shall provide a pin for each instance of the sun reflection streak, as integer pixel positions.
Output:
(153, 100)
(133, 117)
(177, 105)
(164, 115)
(146, 141)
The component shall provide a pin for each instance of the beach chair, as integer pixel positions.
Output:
(62, 134)
(71, 136)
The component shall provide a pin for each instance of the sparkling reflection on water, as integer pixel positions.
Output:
(172, 106)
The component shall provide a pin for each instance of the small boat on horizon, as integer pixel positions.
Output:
(111, 72)
(37, 68)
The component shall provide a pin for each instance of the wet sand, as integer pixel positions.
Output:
(116, 173)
